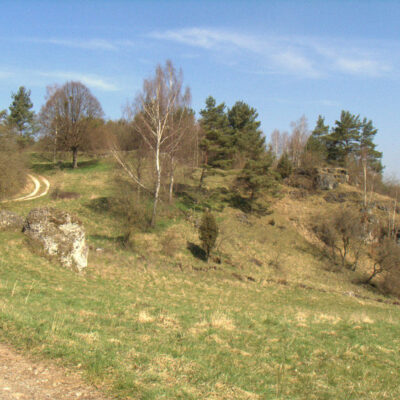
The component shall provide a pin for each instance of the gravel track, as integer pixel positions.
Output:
(23, 378)
(42, 186)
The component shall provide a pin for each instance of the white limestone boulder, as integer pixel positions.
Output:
(59, 235)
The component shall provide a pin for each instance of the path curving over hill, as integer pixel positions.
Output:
(42, 186)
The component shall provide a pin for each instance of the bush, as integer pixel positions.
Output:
(386, 258)
(12, 166)
(208, 232)
(341, 233)
(133, 208)
(170, 243)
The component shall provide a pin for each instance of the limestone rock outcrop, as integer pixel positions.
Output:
(59, 235)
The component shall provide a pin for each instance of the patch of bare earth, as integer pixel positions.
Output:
(25, 379)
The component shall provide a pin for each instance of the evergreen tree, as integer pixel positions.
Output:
(257, 176)
(217, 142)
(284, 166)
(317, 141)
(249, 142)
(21, 116)
(208, 232)
(344, 138)
(367, 146)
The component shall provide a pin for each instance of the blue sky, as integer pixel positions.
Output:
(285, 58)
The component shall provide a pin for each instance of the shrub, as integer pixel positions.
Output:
(341, 232)
(130, 206)
(208, 232)
(170, 243)
(386, 257)
(12, 166)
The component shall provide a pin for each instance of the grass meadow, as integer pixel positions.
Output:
(264, 320)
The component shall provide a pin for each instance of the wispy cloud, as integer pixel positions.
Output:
(92, 81)
(209, 38)
(6, 74)
(362, 67)
(306, 57)
(86, 44)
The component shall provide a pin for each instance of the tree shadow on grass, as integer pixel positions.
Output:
(42, 167)
(100, 204)
(197, 251)
(240, 202)
(110, 239)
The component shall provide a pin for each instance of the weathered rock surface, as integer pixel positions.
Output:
(318, 178)
(10, 221)
(340, 174)
(60, 235)
(325, 181)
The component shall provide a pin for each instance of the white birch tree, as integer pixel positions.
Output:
(158, 113)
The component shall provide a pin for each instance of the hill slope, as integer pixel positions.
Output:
(266, 319)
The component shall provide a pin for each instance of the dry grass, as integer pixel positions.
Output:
(152, 324)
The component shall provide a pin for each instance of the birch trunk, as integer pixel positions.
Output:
(158, 184)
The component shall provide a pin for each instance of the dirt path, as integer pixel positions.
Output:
(38, 190)
(25, 379)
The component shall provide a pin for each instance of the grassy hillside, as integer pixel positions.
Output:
(268, 319)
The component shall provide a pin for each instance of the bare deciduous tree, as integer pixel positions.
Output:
(386, 258)
(68, 114)
(298, 140)
(279, 142)
(159, 111)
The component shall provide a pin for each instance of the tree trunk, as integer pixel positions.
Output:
(365, 183)
(171, 187)
(158, 184)
(171, 181)
(74, 157)
(203, 172)
(55, 148)
(374, 273)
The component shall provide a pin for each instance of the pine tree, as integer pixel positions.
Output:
(257, 176)
(208, 232)
(367, 146)
(249, 142)
(217, 143)
(344, 137)
(21, 116)
(317, 141)
(284, 166)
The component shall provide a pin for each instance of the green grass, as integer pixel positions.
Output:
(159, 332)
(147, 326)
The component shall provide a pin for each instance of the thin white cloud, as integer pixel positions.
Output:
(276, 58)
(296, 64)
(362, 67)
(301, 56)
(90, 44)
(92, 81)
(6, 74)
(86, 44)
(209, 39)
